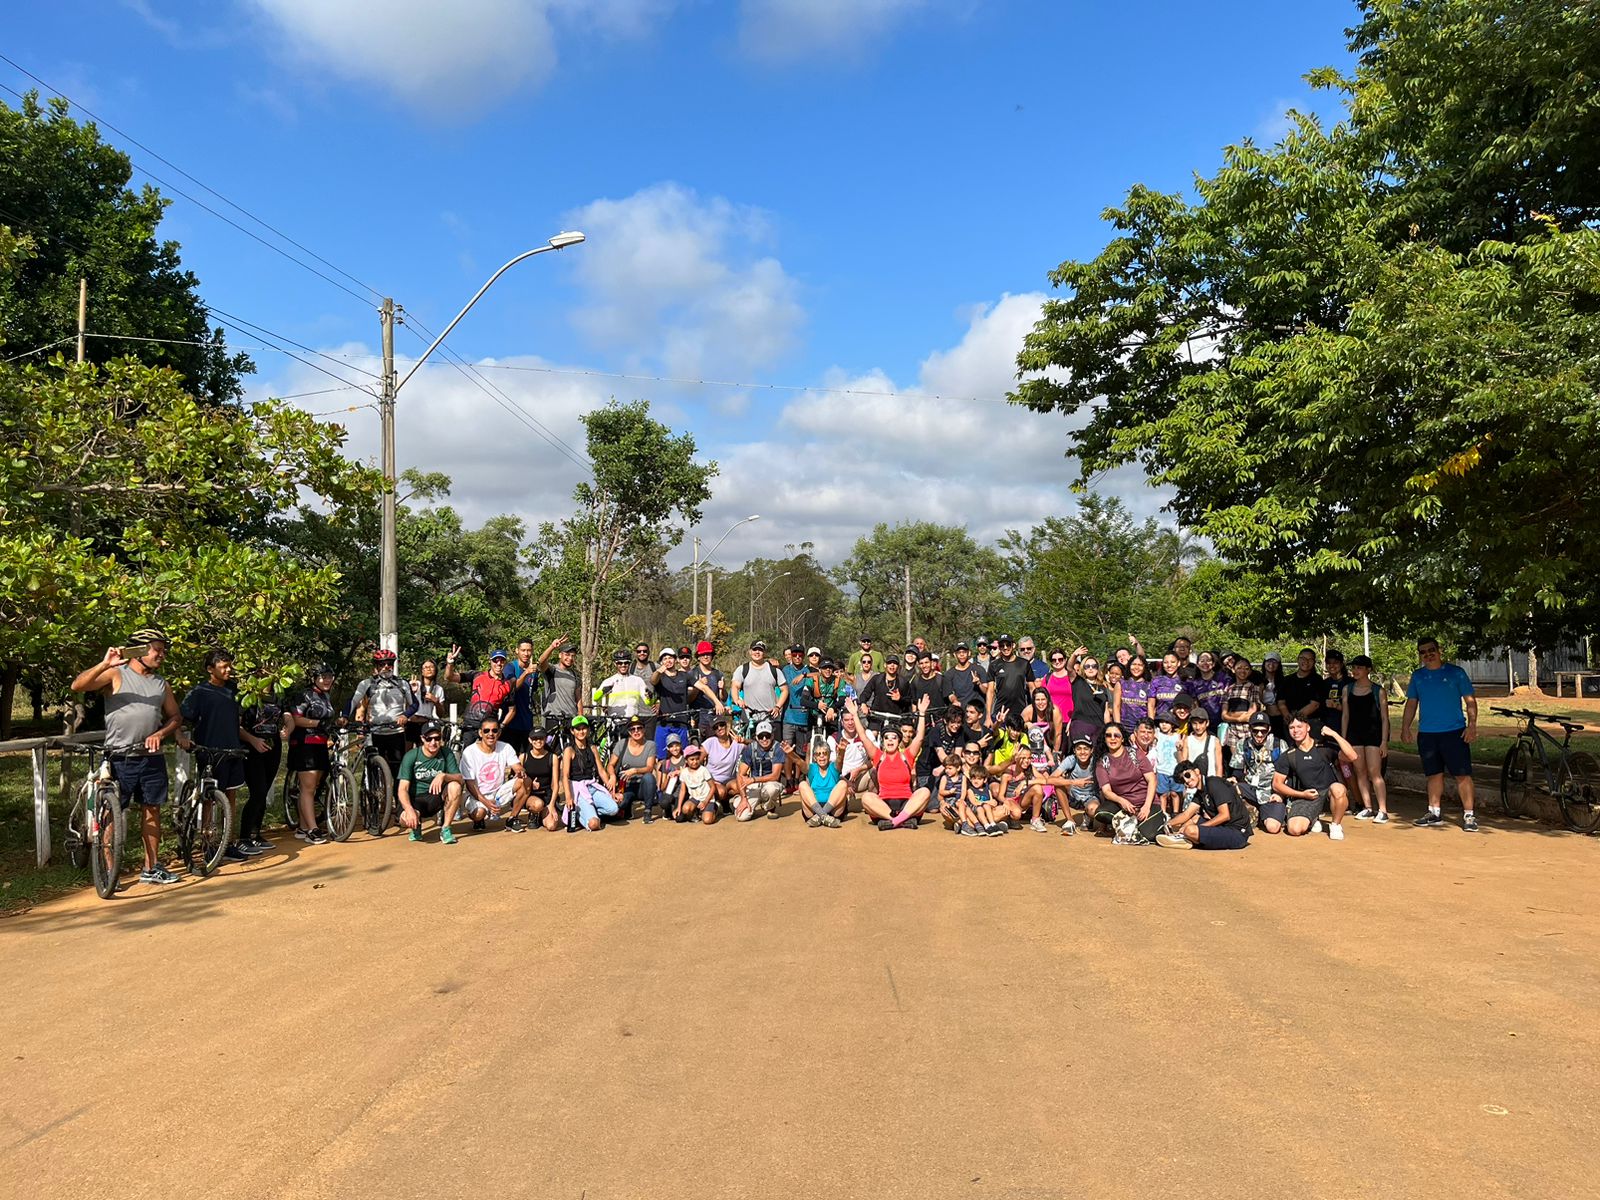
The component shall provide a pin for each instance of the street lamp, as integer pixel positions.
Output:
(754, 596)
(708, 558)
(388, 605)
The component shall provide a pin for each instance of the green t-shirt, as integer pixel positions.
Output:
(420, 771)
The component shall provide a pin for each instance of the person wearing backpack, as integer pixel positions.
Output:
(758, 687)
(384, 700)
(490, 693)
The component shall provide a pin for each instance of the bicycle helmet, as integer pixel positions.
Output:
(143, 637)
(321, 669)
(380, 655)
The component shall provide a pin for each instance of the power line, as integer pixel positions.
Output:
(301, 345)
(467, 370)
(237, 207)
(38, 350)
(129, 337)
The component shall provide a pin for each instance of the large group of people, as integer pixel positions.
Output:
(1183, 749)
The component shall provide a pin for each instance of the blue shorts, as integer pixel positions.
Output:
(1164, 784)
(142, 780)
(1444, 754)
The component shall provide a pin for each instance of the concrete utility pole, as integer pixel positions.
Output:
(908, 606)
(83, 314)
(694, 598)
(710, 575)
(388, 568)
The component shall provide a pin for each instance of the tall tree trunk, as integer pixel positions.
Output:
(1533, 668)
(8, 696)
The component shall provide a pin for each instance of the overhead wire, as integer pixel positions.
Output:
(200, 203)
(38, 349)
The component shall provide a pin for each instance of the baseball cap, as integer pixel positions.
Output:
(828, 664)
(579, 720)
(1081, 740)
(620, 656)
(667, 652)
(1183, 700)
(962, 646)
(813, 650)
(1005, 639)
(691, 748)
(1272, 656)
(764, 727)
(797, 648)
(865, 637)
(705, 648)
(674, 739)
(431, 728)
(1261, 721)
(494, 654)
(758, 644)
(1168, 716)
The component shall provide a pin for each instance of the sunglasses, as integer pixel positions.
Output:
(492, 732)
(432, 737)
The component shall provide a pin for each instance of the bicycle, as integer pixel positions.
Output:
(377, 782)
(1572, 777)
(97, 826)
(335, 805)
(745, 721)
(203, 815)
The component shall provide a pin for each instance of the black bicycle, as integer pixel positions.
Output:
(203, 815)
(376, 782)
(97, 825)
(1571, 776)
(336, 804)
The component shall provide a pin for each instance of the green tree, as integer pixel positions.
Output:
(1363, 359)
(955, 583)
(1099, 576)
(124, 501)
(67, 192)
(646, 486)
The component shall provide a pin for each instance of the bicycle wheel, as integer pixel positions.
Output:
(213, 823)
(377, 795)
(185, 818)
(1516, 774)
(291, 799)
(1580, 791)
(75, 840)
(341, 802)
(110, 826)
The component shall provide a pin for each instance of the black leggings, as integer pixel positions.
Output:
(259, 772)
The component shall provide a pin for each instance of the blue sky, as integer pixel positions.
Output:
(858, 194)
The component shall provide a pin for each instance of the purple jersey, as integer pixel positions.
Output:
(1135, 701)
(1164, 688)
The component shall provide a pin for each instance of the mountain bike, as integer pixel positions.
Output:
(203, 815)
(336, 804)
(97, 826)
(376, 779)
(745, 721)
(1571, 776)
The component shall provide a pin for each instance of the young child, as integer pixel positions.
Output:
(667, 782)
(967, 805)
(1164, 758)
(694, 795)
(1015, 790)
(824, 795)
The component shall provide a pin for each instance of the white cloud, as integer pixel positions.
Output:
(791, 29)
(449, 60)
(681, 283)
(1277, 124)
(946, 449)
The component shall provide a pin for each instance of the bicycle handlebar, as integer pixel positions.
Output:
(1529, 714)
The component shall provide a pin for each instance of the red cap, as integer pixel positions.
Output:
(705, 648)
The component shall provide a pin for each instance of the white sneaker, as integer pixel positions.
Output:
(1038, 825)
(1336, 832)
(1316, 827)
(1172, 841)
(747, 815)
(1366, 814)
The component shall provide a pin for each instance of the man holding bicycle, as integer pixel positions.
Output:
(140, 713)
(382, 700)
(212, 708)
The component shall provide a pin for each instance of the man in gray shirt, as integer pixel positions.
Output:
(140, 713)
(561, 683)
(758, 685)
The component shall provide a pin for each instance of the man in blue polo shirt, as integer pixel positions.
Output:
(1439, 692)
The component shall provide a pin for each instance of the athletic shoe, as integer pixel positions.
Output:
(1038, 825)
(1069, 827)
(649, 816)
(911, 823)
(1366, 814)
(829, 821)
(884, 825)
(966, 830)
(157, 875)
(1172, 841)
(772, 810)
(317, 838)
(480, 824)
(248, 848)
(1316, 827)
(414, 836)
(447, 836)
(232, 853)
(1336, 833)
(998, 829)
(260, 845)
(1470, 823)
(515, 825)
(815, 821)
(1428, 819)
(1102, 818)
(302, 835)
(1381, 819)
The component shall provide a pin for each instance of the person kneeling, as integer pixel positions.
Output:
(759, 784)
(430, 783)
(1213, 815)
(1306, 776)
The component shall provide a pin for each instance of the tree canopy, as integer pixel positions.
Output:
(955, 582)
(64, 193)
(1363, 359)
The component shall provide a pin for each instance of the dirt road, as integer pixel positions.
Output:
(771, 1010)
